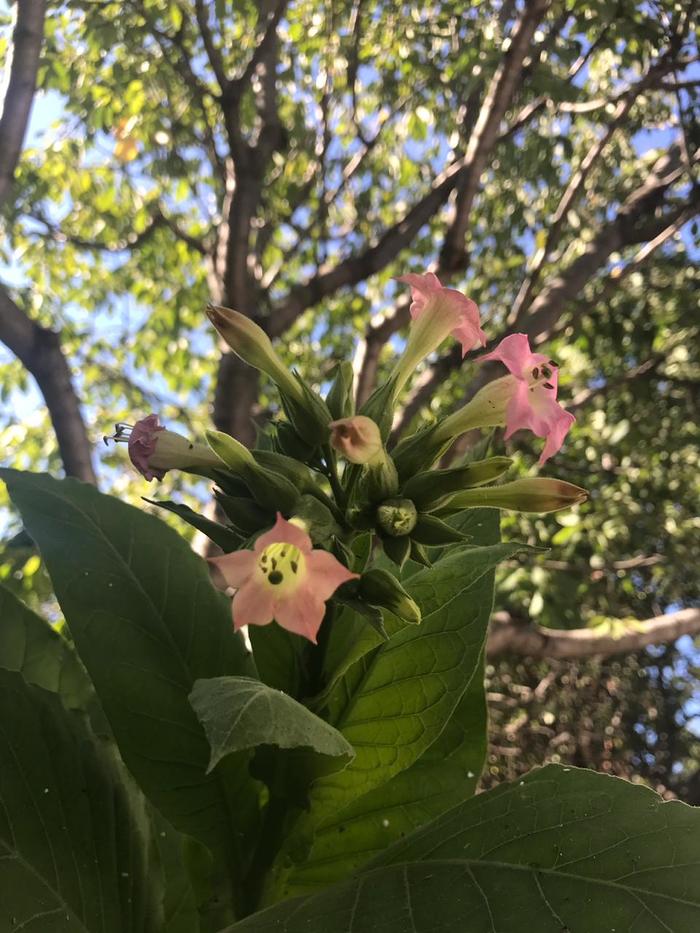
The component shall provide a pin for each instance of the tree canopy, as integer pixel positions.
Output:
(289, 160)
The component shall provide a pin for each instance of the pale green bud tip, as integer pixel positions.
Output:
(380, 588)
(397, 517)
(251, 343)
(358, 438)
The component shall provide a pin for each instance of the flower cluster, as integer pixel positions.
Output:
(295, 517)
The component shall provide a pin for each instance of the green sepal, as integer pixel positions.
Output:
(420, 555)
(267, 487)
(434, 488)
(418, 452)
(323, 527)
(310, 417)
(380, 407)
(340, 399)
(370, 613)
(434, 532)
(378, 481)
(397, 549)
(246, 517)
(288, 441)
(297, 473)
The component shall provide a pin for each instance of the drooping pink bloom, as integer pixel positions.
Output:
(142, 446)
(154, 450)
(448, 309)
(532, 402)
(283, 579)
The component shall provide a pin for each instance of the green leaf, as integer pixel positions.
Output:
(76, 851)
(36, 650)
(562, 850)
(404, 694)
(445, 775)
(239, 713)
(146, 623)
(226, 538)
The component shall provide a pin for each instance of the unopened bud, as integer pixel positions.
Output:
(251, 343)
(540, 494)
(435, 488)
(397, 517)
(381, 588)
(357, 439)
(267, 487)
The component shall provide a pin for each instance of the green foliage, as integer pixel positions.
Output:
(79, 851)
(239, 713)
(561, 850)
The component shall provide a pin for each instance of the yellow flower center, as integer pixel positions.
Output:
(282, 566)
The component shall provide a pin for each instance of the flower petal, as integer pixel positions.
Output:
(422, 287)
(252, 605)
(557, 432)
(514, 351)
(283, 532)
(301, 614)
(236, 567)
(325, 574)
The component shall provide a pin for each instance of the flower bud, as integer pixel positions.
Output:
(340, 398)
(381, 588)
(251, 343)
(153, 450)
(266, 486)
(357, 439)
(434, 488)
(540, 494)
(397, 517)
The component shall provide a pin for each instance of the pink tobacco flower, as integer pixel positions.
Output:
(449, 311)
(154, 450)
(532, 401)
(283, 578)
(142, 446)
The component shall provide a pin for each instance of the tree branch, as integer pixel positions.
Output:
(26, 44)
(485, 133)
(508, 636)
(39, 350)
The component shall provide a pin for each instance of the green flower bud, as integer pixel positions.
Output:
(251, 343)
(397, 517)
(434, 488)
(381, 588)
(268, 488)
(541, 494)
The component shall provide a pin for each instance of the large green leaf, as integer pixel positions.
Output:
(407, 691)
(76, 848)
(562, 851)
(146, 623)
(445, 774)
(36, 650)
(239, 713)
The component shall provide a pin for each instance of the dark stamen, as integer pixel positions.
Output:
(274, 564)
(294, 566)
(535, 372)
(554, 364)
(547, 372)
(275, 577)
(548, 385)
